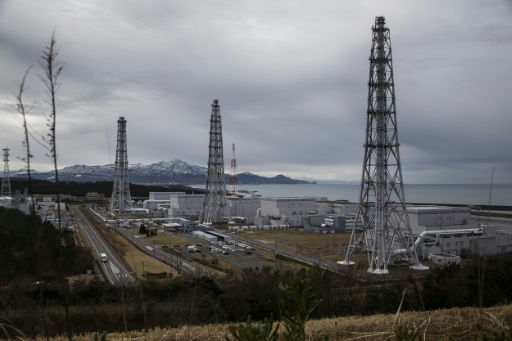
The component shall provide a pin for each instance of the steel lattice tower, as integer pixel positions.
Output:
(6, 182)
(215, 206)
(387, 236)
(121, 199)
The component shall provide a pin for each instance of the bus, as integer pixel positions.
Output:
(103, 257)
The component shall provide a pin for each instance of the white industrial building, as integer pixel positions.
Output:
(341, 209)
(285, 211)
(205, 236)
(159, 203)
(447, 231)
(245, 208)
(187, 206)
(174, 204)
(426, 218)
(162, 195)
(250, 210)
(442, 234)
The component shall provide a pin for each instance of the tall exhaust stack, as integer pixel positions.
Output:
(215, 206)
(6, 182)
(387, 236)
(121, 199)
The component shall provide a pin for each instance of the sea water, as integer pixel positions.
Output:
(426, 194)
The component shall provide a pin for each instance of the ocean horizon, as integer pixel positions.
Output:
(427, 194)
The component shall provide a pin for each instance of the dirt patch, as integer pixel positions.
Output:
(141, 262)
(300, 241)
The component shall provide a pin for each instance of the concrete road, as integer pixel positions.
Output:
(115, 270)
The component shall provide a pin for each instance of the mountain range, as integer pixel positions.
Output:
(164, 172)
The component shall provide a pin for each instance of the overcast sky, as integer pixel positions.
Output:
(290, 76)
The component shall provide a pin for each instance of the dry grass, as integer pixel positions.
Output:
(434, 325)
(457, 324)
(301, 241)
(80, 277)
(328, 247)
(137, 260)
(140, 261)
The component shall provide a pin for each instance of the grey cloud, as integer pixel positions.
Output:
(290, 77)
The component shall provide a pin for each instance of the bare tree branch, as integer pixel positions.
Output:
(52, 70)
(20, 107)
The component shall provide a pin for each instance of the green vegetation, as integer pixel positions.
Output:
(297, 304)
(79, 189)
(253, 293)
(29, 282)
(159, 275)
(291, 259)
(255, 331)
(30, 249)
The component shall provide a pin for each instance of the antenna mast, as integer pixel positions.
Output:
(387, 236)
(233, 179)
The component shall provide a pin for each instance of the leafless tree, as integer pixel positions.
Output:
(20, 107)
(52, 70)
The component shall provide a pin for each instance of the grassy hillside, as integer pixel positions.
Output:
(457, 324)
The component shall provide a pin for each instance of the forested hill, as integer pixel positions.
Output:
(34, 250)
(79, 189)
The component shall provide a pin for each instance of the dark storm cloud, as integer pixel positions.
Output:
(291, 78)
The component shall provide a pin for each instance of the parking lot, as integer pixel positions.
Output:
(235, 254)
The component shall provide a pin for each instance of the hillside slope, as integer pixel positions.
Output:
(457, 324)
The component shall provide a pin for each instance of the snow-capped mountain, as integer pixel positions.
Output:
(174, 171)
(162, 168)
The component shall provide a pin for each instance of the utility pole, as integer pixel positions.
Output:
(233, 179)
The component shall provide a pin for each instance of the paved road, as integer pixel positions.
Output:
(114, 268)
